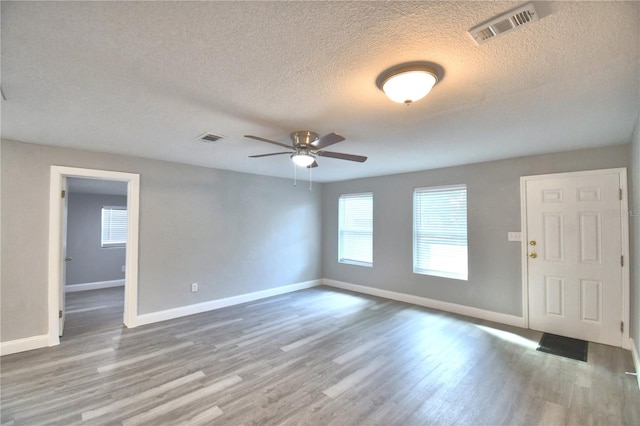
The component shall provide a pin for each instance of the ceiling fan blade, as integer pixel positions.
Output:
(267, 155)
(342, 156)
(312, 165)
(258, 138)
(327, 140)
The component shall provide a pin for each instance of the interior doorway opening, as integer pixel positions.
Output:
(61, 177)
(95, 258)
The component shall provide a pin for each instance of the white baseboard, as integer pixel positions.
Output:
(93, 286)
(430, 303)
(221, 303)
(26, 344)
(636, 360)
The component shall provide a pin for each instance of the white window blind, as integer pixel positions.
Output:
(355, 229)
(440, 231)
(114, 226)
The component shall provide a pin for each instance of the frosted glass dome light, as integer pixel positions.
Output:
(408, 85)
(303, 160)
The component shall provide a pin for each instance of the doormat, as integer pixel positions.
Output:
(564, 346)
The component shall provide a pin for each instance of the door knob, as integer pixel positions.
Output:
(532, 242)
(533, 255)
(68, 259)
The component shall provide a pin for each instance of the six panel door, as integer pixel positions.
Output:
(574, 256)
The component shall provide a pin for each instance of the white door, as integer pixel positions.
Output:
(63, 250)
(574, 241)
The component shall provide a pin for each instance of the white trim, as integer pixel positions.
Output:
(58, 174)
(524, 250)
(131, 260)
(636, 360)
(626, 269)
(430, 303)
(26, 344)
(70, 288)
(624, 207)
(211, 305)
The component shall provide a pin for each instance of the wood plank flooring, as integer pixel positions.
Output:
(314, 357)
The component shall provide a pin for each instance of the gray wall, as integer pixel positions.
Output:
(495, 281)
(233, 233)
(236, 233)
(634, 223)
(91, 263)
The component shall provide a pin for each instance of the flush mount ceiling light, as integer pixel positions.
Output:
(407, 84)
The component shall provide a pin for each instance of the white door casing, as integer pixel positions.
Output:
(64, 206)
(576, 285)
(57, 256)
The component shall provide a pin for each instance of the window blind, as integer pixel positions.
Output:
(114, 226)
(440, 232)
(355, 229)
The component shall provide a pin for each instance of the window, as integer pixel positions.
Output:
(355, 229)
(440, 231)
(114, 227)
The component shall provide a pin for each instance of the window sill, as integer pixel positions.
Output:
(356, 263)
(442, 275)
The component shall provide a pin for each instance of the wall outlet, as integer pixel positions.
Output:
(194, 287)
(514, 236)
(124, 268)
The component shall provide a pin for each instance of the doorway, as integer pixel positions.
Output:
(57, 242)
(575, 242)
(95, 258)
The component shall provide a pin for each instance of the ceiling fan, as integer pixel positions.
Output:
(306, 146)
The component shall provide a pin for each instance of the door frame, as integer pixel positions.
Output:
(624, 223)
(55, 284)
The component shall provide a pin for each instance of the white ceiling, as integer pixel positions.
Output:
(147, 78)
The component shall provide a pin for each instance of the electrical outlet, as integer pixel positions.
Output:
(124, 268)
(194, 287)
(514, 236)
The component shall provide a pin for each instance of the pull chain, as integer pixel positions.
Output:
(295, 177)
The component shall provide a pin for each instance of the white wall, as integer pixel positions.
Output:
(233, 233)
(495, 282)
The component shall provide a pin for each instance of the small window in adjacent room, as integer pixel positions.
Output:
(440, 231)
(114, 227)
(355, 229)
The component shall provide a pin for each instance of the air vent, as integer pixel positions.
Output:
(210, 137)
(504, 23)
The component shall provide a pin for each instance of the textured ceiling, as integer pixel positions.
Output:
(147, 78)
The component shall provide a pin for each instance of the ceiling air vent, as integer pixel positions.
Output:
(210, 137)
(504, 23)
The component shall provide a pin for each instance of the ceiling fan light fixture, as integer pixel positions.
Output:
(303, 159)
(408, 84)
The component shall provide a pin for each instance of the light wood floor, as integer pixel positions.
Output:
(314, 357)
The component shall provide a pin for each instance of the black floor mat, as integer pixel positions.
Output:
(564, 346)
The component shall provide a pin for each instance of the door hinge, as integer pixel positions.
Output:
(621, 260)
(63, 193)
(621, 326)
(59, 314)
